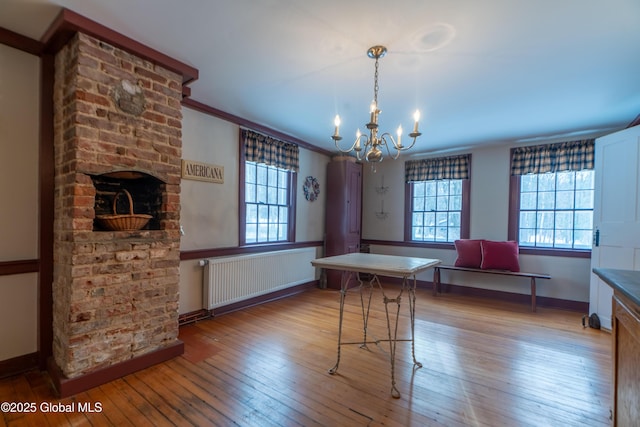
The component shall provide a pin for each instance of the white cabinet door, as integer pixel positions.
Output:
(616, 213)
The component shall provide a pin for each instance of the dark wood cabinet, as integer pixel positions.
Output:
(625, 322)
(344, 211)
(626, 361)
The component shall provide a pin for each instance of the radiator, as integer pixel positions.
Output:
(235, 278)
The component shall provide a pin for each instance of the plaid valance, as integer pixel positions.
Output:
(562, 156)
(453, 167)
(273, 152)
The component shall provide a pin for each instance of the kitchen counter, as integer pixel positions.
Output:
(626, 282)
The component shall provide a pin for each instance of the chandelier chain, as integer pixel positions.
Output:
(375, 84)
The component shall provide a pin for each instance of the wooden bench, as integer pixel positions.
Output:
(532, 276)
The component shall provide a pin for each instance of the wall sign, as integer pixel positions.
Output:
(202, 172)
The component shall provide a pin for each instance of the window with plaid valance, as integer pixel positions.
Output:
(453, 167)
(270, 151)
(562, 156)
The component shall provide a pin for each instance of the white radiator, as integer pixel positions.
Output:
(235, 278)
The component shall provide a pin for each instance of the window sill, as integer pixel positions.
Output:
(569, 253)
(433, 245)
(410, 244)
(265, 244)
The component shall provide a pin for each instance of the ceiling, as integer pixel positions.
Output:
(481, 72)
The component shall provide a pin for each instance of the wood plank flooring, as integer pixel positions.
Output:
(486, 363)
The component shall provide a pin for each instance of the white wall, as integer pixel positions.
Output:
(490, 193)
(18, 315)
(19, 128)
(390, 175)
(489, 220)
(310, 215)
(209, 212)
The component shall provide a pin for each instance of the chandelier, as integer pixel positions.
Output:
(371, 144)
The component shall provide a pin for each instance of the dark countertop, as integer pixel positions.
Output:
(625, 281)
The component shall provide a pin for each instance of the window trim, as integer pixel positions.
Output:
(514, 226)
(465, 216)
(242, 209)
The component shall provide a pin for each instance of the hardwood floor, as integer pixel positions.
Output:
(486, 363)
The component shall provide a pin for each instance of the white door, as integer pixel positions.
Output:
(616, 213)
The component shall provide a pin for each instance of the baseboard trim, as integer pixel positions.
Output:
(193, 316)
(261, 299)
(541, 301)
(66, 387)
(18, 365)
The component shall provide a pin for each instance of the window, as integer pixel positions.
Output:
(267, 203)
(267, 189)
(556, 209)
(436, 210)
(437, 199)
(552, 197)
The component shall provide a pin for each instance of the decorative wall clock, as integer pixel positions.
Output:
(311, 188)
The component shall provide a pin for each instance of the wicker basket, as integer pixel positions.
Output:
(119, 222)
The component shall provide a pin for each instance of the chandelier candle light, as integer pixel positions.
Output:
(371, 144)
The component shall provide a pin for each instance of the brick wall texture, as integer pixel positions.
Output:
(115, 294)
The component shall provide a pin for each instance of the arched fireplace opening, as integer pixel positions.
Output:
(146, 195)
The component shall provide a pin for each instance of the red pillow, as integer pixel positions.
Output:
(500, 255)
(469, 253)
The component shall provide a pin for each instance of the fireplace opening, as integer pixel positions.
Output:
(145, 191)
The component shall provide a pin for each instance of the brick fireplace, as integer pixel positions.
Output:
(117, 126)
